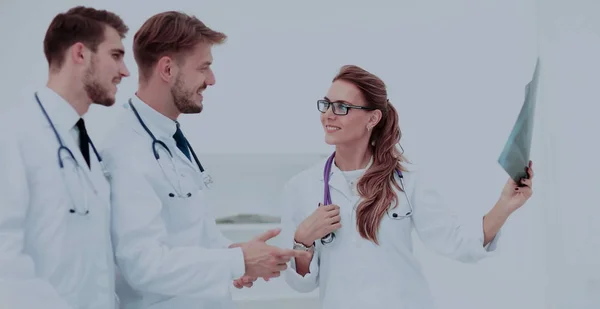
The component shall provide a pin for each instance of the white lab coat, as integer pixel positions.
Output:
(50, 258)
(169, 251)
(353, 272)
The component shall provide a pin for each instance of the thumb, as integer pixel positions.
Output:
(267, 235)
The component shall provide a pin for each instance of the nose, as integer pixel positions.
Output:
(329, 112)
(210, 78)
(124, 70)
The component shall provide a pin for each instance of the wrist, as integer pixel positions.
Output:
(302, 238)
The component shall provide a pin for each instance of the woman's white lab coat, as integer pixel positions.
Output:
(50, 258)
(169, 251)
(353, 272)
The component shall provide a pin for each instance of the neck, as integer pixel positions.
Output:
(77, 97)
(349, 158)
(158, 98)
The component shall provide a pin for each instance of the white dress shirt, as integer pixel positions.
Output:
(169, 250)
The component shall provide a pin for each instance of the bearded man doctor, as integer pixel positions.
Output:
(355, 211)
(168, 248)
(55, 249)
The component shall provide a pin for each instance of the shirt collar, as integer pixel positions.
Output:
(61, 113)
(335, 169)
(160, 125)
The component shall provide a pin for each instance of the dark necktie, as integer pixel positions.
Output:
(84, 141)
(181, 142)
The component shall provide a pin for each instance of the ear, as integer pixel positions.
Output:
(374, 118)
(77, 53)
(166, 68)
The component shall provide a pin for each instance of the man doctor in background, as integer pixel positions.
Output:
(168, 248)
(55, 250)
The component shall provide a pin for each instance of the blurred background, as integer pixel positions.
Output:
(455, 70)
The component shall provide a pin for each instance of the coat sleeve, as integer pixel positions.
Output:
(142, 254)
(20, 287)
(442, 230)
(216, 238)
(292, 216)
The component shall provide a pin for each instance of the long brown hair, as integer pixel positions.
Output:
(375, 186)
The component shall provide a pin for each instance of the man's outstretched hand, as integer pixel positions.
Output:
(262, 260)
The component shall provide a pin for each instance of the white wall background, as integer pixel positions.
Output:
(571, 44)
(456, 71)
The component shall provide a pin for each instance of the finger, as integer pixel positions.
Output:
(330, 207)
(526, 182)
(301, 254)
(527, 191)
(335, 226)
(237, 284)
(249, 285)
(267, 235)
(235, 245)
(281, 267)
(287, 254)
(280, 253)
(274, 274)
(334, 219)
(333, 213)
(283, 259)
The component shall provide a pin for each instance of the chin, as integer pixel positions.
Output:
(330, 140)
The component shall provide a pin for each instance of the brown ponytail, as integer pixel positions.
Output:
(376, 186)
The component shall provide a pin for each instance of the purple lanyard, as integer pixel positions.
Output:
(326, 173)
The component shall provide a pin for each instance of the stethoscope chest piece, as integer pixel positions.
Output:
(207, 180)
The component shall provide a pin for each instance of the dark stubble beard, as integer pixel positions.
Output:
(96, 92)
(183, 99)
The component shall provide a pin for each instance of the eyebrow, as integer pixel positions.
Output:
(342, 101)
(119, 51)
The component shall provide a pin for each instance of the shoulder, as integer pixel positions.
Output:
(123, 145)
(20, 118)
(310, 174)
(421, 177)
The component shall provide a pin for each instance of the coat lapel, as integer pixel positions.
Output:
(338, 186)
(94, 176)
(189, 162)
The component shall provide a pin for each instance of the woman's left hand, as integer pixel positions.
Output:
(514, 196)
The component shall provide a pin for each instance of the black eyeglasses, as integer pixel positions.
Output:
(339, 108)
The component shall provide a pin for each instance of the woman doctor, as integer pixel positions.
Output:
(355, 212)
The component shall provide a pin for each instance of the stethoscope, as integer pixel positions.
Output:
(61, 163)
(207, 180)
(327, 239)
